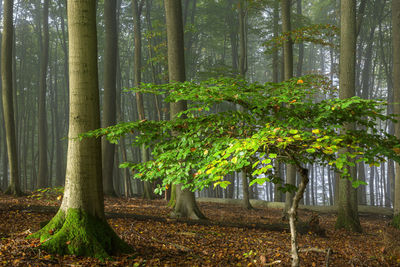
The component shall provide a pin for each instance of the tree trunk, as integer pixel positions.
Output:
(275, 56)
(232, 23)
(185, 205)
(396, 92)
(299, 70)
(42, 114)
(347, 201)
(144, 154)
(292, 213)
(109, 99)
(288, 73)
(242, 70)
(80, 227)
(7, 96)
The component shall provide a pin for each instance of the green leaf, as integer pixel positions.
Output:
(357, 183)
(310, 150)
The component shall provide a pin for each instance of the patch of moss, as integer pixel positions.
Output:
(348, 223)
(396, 221)
(78, 233)
(172, 200)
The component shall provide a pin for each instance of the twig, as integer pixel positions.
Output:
(328, 253)
(273, 263)
(312, 250)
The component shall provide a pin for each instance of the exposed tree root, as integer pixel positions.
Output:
(78, 233)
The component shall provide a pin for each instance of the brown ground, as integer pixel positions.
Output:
(159, 241)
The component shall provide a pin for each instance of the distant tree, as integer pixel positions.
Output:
(185, 205)
(242, 12)
(80, 226)
(396, 92)
(288, 73)
(137, 72)
(7, 96)
(42, 180)
(109, 99)
(347, 202)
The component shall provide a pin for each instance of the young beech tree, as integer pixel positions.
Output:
(282, 121)
(80, 227)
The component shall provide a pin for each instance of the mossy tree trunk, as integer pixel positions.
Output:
(396, 92)
(7, 97)
(185, 205)
(347, 200)
(80, 227)
(109, 99)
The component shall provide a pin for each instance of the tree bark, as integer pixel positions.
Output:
(7, 96)
(137, 70)
(347, 201)
(109, 99)
(81, 218)
(42, 115)
(396, 92)
(185, 205)
(242, 70)
(288, 73)
(292, 213)
(299, 69)
(275, 55)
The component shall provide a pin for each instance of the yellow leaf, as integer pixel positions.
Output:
(316, 131)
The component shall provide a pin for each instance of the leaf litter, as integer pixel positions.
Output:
(233, 236)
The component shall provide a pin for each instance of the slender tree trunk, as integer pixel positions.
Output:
(109, 101)
(60, 172)
(292, 213)
(7, 96)
(42, 114)
(275, 55)
(185, 200)
(347, 202)
(396, 92)
(232, 23)
(144, 154)
(242, 70)
(299, 70)
(81, 214)
(288, 73)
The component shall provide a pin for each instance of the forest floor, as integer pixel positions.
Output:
(233, 236)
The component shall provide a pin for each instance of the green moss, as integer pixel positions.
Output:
(396, 221)
(172, 200)
(348, 223)
(78, 233)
